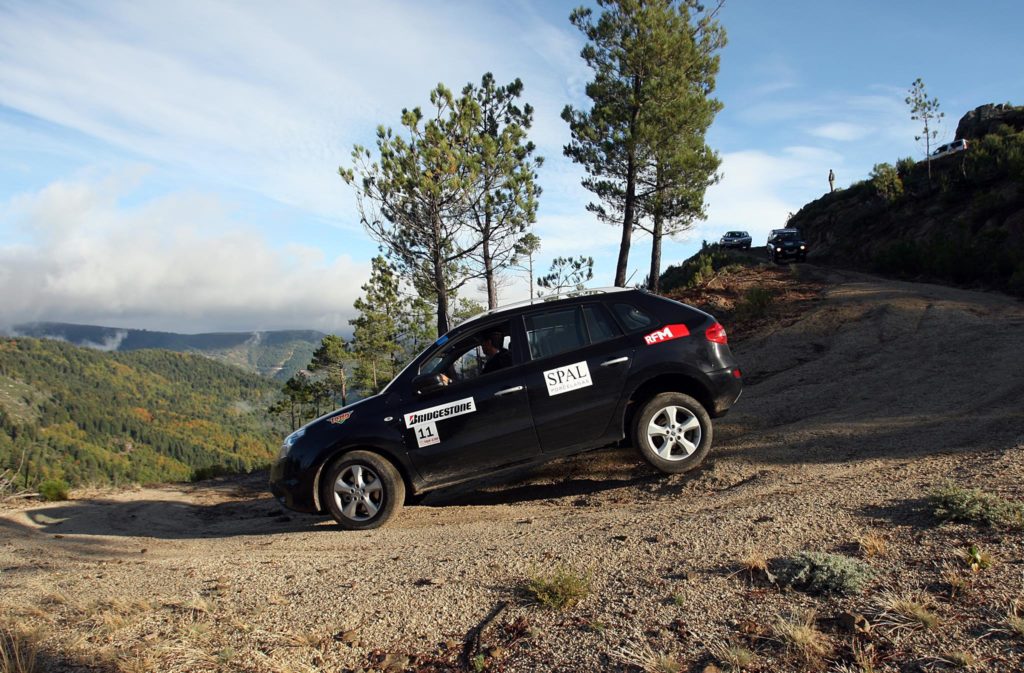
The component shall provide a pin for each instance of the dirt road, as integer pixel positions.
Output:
(878, 393)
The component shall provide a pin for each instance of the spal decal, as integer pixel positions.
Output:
(570, 377)
(666, 333)
(434, 414)
(340, 418)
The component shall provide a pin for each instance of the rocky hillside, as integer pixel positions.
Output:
(963, 225)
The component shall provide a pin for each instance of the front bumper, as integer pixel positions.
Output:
(290, 488)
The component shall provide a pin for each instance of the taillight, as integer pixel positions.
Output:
(716, 333)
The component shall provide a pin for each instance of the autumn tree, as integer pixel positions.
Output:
(505, 203)
(416, 197)
(654, 68)
(925, 110)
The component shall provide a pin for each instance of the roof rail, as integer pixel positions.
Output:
(568, 294)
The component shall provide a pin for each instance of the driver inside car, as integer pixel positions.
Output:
(498, 357)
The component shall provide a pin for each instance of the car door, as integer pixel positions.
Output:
(579, 360)
(471, 426)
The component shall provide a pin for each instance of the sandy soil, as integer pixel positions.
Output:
(866, 397)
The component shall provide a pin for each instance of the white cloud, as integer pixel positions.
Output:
(842, 131)
(178, 262)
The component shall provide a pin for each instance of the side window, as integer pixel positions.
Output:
(632, 318)
(481, 352)
(600, 324)
(555, 332)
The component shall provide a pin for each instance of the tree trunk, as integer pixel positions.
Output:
(530, 258)
(652, 281)
(439, 285)
(627, 226)
(344, 388)
(492, 290)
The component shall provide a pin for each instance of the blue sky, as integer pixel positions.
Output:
(173, 165)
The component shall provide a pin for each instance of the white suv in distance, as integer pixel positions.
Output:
(949, 148)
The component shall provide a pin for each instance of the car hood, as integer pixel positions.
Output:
(366, 403)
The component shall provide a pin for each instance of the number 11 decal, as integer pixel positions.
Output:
(426, 434)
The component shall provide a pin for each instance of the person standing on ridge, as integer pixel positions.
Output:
(831, 181)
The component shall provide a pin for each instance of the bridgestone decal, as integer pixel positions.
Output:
(569, 377)
(434, 414)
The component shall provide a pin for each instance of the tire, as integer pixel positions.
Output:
(363, 490)
(688, 440)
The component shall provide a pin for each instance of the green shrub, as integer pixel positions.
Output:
(905, 166)
(755, 302)
(53, 490)
(211, 472)
(819, 572)
(973, 505)
(560, 590)
(886, 181)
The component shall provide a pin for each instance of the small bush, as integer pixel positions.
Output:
(972, 505)
(885, 180)
(901, 612)
(755, 302)
(560, 590)
(818, 572)
(211, 472)
(904, 166)
(802, 637)
(53, 490)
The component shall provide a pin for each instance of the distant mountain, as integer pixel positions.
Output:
(273, 354)
(147, 416)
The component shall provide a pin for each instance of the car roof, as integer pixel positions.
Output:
(548, 301)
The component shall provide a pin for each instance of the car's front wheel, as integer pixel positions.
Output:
(673, 432)
(363, 490)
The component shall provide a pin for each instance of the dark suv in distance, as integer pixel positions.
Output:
(736, 239)
(519, 385)
(786, 244)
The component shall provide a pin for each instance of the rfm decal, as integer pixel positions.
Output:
(667, 333)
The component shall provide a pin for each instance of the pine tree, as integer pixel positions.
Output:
(505, 203)
(416, 197)
(654, 67)
(568, 273)
(375, 339)
(330, 358)
(926, 110)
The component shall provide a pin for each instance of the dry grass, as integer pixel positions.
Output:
(962, 659)
(733, 657)
(953, 578)
(19, 650)
(904, 612)
(642, 656)
(802, 638)
(873, 545)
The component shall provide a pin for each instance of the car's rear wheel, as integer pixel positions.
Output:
(673, 432)
(363, 490)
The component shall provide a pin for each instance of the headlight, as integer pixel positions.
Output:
(778, 249)
(289, 442)
(803, 247)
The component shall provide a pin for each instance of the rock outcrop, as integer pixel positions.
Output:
(986, 118)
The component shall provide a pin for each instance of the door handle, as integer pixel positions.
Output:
(616, 361)
(509, 391)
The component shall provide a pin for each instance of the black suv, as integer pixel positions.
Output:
(519, 385)
(786, 244)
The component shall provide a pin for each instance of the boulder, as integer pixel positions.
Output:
(985, 118)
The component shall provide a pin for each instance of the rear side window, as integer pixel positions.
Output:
(600, 324)
(555, 332)
(631, 317)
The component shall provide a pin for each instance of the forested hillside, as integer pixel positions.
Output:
(275, 354)
(144, 416)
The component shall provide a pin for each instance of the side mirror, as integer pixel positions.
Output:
(425, 384)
